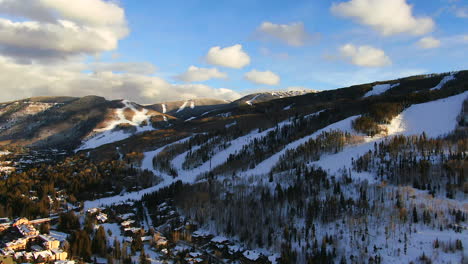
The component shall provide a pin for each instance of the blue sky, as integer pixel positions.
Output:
(176, 34)
(143, 49)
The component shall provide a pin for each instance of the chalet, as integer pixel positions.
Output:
(235, 251)
(15, 245)
(49, 242)
(27, 230)
(220, 245)
(128, 223)
(101, 217)
(93, 210)
(201, 237)
(64, 262)
(59, 254)
(130, 231)
(253, 257)
(21, 221)
(159, 240)
(23, 256)
(195, 258)
(146, 238)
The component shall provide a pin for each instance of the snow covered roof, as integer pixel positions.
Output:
(219, 239)
(252, 255)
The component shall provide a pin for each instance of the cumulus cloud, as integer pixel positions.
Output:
(195, 74)
(231, 57)
(71, 78)
(262, 77)
(293, 34)
(123, 67)
(428, 43)
(58, 29)
(366, 56)
(389, 17)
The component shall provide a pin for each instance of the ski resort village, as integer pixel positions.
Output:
(233, 132)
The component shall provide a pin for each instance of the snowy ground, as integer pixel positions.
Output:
(436, 118)
(380, 89)
(265, 166)
(445, 80)
(108, 134)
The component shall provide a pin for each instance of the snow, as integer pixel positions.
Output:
(182, 107)
(115, 230)
(190, 119)
(164, 109)
(265, 166)
(435, 118)
(231, 124)
(250, 102)
(58, 235)
(108, 134)
(220, 157)
(288, 107)
(380, 89)
(147, 164)
(204, 114)
(252, 255)
(187, 176)
(219, 239)
(445, 80)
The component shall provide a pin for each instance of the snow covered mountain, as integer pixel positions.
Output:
(373, 173)
(268, 96)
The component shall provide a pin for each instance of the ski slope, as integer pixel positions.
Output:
(109, 134)
(380, 89)
(265, 166)
(444, 81)
(146, 164)
(435, 118)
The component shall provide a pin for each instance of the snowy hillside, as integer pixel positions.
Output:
(110, 133)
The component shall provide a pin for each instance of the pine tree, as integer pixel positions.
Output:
(144, 257)
(110, 259)
(415, 215)
(99, 245)
(137, 244)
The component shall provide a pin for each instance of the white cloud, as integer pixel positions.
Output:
(232, 57)
(265, 77)
(389, 17)
(366, 56)
(195, 74)
(58, 29)
(428, 43)
(124, 67)
(20, 81)
(293, 34)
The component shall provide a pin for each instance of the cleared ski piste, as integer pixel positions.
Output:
(188, 176)
(108, 134)
(435, 119)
